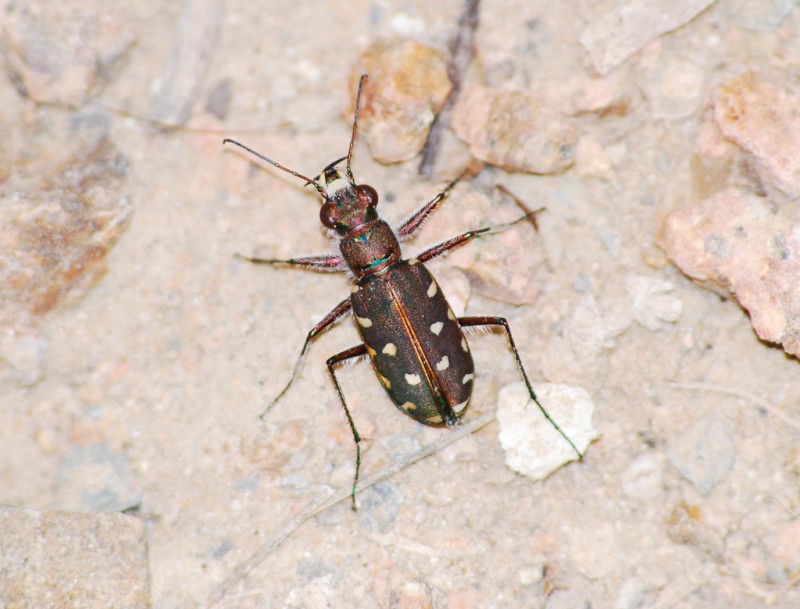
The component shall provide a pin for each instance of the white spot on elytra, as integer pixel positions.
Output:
(354, 289)
(443, 364)
(437, 327)
(459, 408)
(450, 315)
(410, 406)
(386, 382)
(413, 261)
(467, 378)
(432, 290)
(390, 349)
(464, 346)
(364, 322)
(413, 379)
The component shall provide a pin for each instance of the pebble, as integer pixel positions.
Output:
(760, 116)
(514, 130)
(674, 88)
(531, 444)
(705, 453)
(61, 59)
(629, 26)
(316, 594)
(95, 479)
(408, 85)
(379, 506)
(25, 353)
(653, 301)
(760, 14)
(644, 477)
(60, 215)
(631, 594)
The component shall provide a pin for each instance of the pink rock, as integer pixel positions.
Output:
(744, 246)
(59, 218)
(762, 117)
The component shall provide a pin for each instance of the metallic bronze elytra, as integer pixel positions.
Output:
(416, 344)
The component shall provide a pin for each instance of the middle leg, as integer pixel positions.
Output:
(466, 322)
(357, 351)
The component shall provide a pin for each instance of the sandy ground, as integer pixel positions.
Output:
(157, 374)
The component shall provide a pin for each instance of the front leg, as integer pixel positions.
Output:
(415, 221)
(459, 240)
(325, 262)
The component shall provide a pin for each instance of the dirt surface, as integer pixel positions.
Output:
(141, 390)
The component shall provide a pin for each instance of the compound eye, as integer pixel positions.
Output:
(367, 195)
(326, 214)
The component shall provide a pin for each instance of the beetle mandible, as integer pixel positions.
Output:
(415, 342)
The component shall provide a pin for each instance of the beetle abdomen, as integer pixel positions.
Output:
(416, 345)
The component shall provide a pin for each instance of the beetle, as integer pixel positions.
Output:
(416, 343)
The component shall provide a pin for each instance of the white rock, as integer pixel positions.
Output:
(629, 26)
(533, 447)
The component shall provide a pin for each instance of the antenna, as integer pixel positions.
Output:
(279, 166)
(355, 128)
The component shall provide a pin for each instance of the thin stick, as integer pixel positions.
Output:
(327, 501)
(462, 49)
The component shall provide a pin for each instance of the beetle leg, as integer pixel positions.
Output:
(413, 223)
(501, 321)
(446, 246)
(327, 321)
(324, 262)
(356, 351)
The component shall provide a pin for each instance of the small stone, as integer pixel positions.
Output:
(60, 216)
(60, 55)
(760, 116)
(686, 525)
(705, 453)
(760, 14)
(631, 594)
(533, 447)
(25, 353)
(379, 506)
(644, 477)
(653, 302)
(514, 130)
(408, 85)
(591, 159)
(47, 440)
(575, 357)
(94, 479)
(630, 26)
(674, 88)
(316, 594)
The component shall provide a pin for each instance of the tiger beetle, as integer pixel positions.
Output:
(415, 341)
